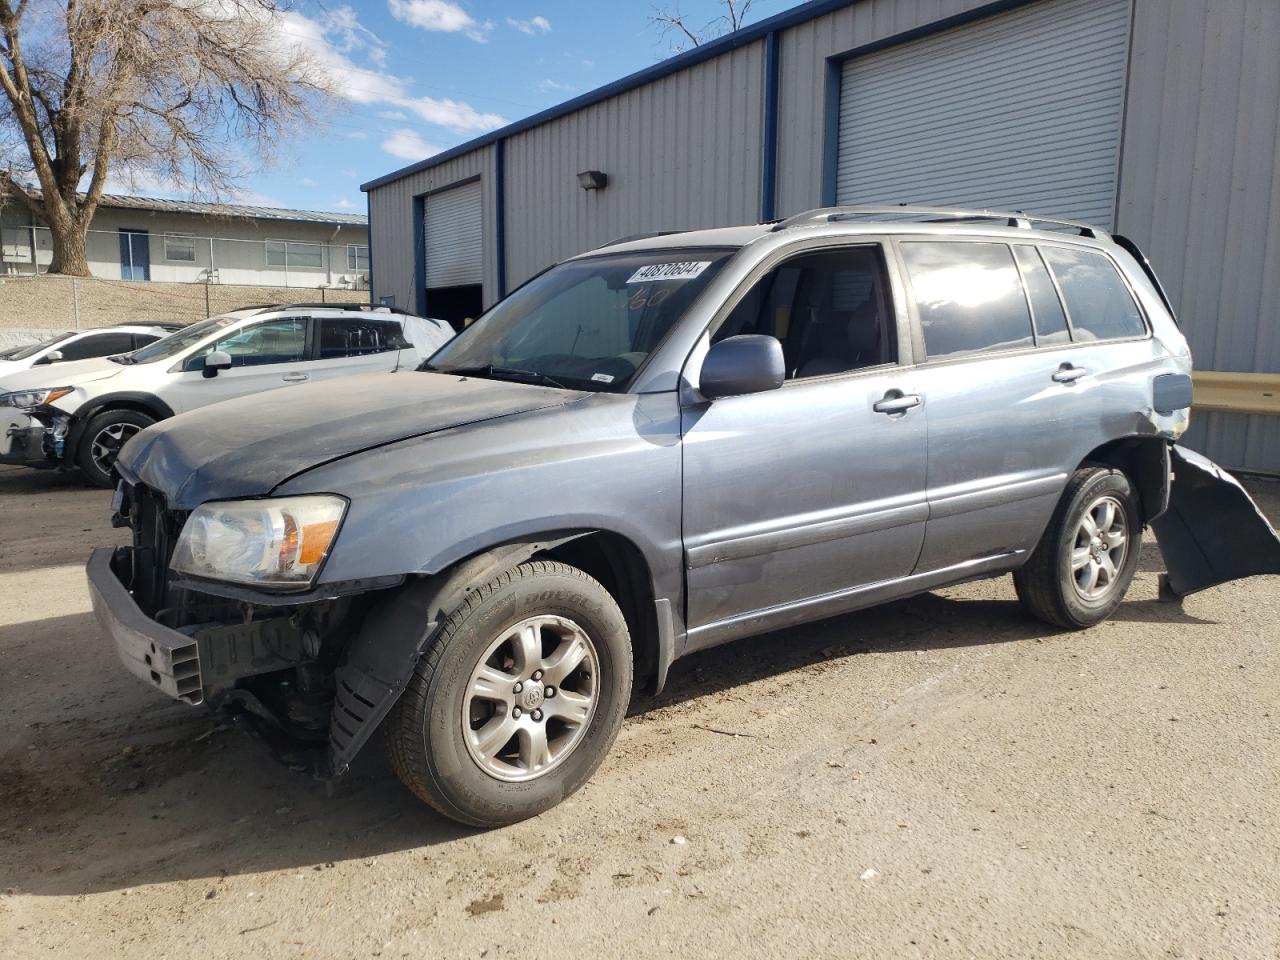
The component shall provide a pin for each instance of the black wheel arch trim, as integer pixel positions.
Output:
(147, 403)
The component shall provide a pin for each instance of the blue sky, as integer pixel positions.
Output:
(415, 76)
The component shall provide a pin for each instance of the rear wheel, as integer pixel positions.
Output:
(100, 444)
(1084, 563)
(516, 702)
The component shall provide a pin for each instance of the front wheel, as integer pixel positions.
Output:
(517, 700)
(103, 437)
(1084, 563)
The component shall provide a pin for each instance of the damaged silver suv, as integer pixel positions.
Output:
(659, 446)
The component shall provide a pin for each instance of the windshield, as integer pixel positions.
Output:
(586, 324)
(30, 350)
(175, 343)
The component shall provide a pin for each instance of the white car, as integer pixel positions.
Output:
(80, 413)
(82, 345)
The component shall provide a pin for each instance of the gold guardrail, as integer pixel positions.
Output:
(1236, 392)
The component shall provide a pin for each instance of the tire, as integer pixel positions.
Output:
(1052, 585)
(102, 439)
(434, 734)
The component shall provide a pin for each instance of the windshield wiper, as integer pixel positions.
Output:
(502, 373)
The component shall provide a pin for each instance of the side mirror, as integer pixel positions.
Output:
(215, 361)
(741, 365)
(53, 356)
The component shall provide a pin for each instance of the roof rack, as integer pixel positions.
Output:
(1016, 218)
(318, 305)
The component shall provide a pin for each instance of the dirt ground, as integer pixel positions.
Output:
(938, 777)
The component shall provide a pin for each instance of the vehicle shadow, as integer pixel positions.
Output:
(107, 785)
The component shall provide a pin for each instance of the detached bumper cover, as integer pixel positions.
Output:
(158, 655)
(1213, 531)
(22, 439)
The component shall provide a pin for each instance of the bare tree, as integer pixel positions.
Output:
(177, 91)
(669, 20)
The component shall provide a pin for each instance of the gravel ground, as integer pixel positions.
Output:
(937, 777)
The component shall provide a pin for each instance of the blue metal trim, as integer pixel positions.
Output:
(769, 146)
(831, 131)
(500, 214)
(368, 213)
(420, 255)
(707, 51)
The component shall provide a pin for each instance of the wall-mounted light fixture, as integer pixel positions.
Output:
(593, 180)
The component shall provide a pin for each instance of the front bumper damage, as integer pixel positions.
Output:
(1212, 531)
(33, 438)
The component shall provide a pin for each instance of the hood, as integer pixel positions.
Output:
(248, 446)
(69, 373)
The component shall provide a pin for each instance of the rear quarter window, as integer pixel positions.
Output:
(968, 296)
(1098, 300)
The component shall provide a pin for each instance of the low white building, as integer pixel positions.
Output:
(143, 238)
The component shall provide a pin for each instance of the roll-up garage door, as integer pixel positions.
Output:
(1021, 111)
(453, 234)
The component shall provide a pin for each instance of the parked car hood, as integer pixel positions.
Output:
(69, 373)
(249, 446)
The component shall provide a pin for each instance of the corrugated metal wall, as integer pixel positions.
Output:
(681, 152)
(1200, 192)
(392, 226)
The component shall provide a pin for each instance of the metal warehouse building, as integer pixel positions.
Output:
(1158, 119)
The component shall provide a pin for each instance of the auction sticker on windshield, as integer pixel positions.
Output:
(684, 270)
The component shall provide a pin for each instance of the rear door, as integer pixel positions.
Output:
(1003, 417)
(264, 356)
(796, 498)
(349, 345)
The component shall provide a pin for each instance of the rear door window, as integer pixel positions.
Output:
(1098, 300)
(1046, 308)
(356, 337)
(968, 296)
(97, 345)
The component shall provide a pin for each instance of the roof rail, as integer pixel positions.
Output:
(319, 305)
(1015, 218)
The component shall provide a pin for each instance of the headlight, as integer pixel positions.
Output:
(279, 542)
(30, 399)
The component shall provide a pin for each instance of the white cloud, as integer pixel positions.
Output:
(531, 26)
(356, 135)
(407, 145)
(440, 16)
(344, 204)
(309, 182)
(452, 113)
(392, 115)
(554, 86)
(327, 44)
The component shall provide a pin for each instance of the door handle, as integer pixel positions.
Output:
(1069, 374)
(896, 402)
(294, 377)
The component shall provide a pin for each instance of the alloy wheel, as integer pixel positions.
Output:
(1100, 546)
(107, 443)
(531, 698)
